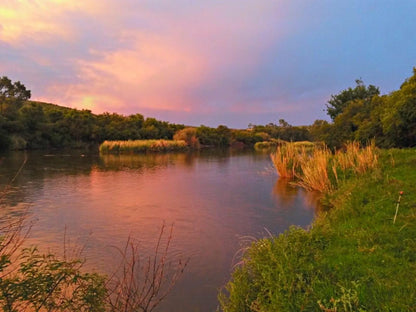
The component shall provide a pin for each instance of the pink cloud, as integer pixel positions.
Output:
(146, 57)
(168, 67)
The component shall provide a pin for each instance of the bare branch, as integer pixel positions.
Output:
(142, 285)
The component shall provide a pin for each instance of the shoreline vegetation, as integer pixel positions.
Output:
(142, 146)
(354, 257)
(315, 168)
(358, 114)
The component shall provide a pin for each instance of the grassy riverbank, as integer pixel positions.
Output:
(354, 258)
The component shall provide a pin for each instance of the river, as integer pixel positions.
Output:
(217, 201)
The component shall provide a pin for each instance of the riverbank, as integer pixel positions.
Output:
(353, 258)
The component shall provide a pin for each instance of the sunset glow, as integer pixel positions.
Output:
(205, 62)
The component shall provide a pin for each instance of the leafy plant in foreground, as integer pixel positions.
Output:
(45, 283)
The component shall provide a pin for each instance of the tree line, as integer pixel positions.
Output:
(26, 124)
(357, 114)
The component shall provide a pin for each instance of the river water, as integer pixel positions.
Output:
(217, 201)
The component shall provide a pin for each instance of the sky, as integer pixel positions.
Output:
(210, 62)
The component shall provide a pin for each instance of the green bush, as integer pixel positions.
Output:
(46, 283)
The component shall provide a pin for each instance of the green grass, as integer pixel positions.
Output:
(352, 259)
(142, 146)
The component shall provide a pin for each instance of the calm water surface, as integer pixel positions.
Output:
(216, 201)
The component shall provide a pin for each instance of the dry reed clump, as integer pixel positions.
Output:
(142, 146)
(313, 173)
(355, 158)
(285, 160)
(316, 168)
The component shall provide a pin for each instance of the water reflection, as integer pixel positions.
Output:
(286, 194)
(145, 161)
(211, 197)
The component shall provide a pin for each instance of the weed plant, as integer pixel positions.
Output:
(353, 258)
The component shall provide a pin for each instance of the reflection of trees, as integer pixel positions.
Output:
(163, 160)
(39, 167)
(145, 161)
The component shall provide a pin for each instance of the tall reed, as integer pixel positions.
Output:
(314, 173)
(317, 168)
(285, 160)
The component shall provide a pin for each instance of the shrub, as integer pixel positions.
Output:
(189, 136)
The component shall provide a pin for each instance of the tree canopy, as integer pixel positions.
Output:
(12, 93)
(361, 114)
(340, 101)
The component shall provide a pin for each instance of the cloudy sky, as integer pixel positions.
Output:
(210, 62)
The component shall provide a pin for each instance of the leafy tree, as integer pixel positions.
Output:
(224, 135)
(389, 119)
(339, 102)
(399, 115)
(79, 124)
(249, 138)
(284, 131)
(319, 130)
(4, 138)
(31, 116)
(283, 123)
(12, 95)
(220, 136)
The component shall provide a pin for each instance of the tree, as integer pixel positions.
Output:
(319, 130)
(398, 117)
(339, 102)
(12, 94)
(283, 123)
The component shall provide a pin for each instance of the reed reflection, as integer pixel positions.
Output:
(139, 162)
(287, 194)
(284, 192)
